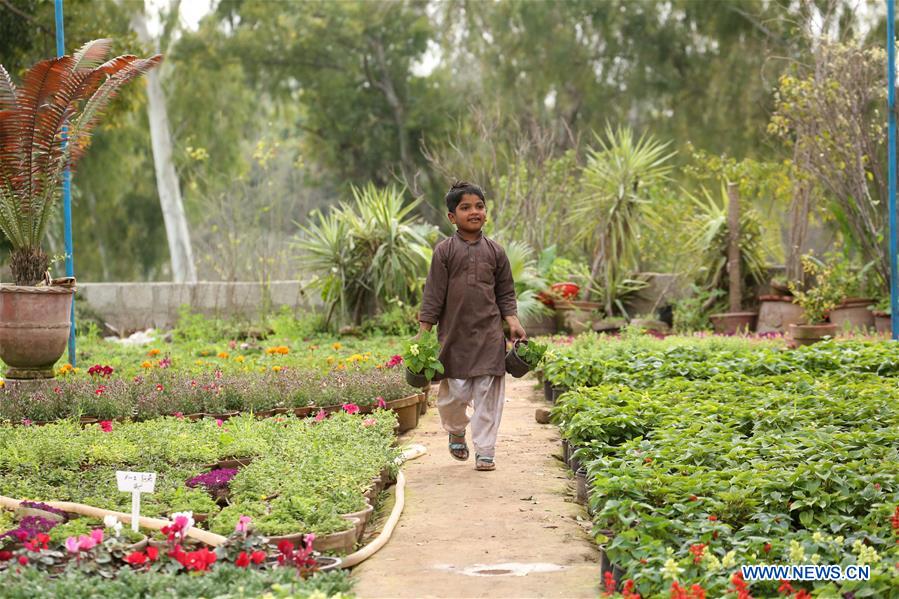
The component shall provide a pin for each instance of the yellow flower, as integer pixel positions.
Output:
(146, 364)
(239, 359)
(337, 345)
(276, 368)
(224, 355)
(330, 360)
(153, 352)
(199, 362)
(340, 367)
(2, 383)
(66, 369)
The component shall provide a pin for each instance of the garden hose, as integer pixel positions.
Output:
(203, 536)
(410, 453)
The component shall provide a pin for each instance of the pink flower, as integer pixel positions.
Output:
(321, 415)
(106, 426)
(394, 361)
(179, 415)
(72, 545)
(85, 542)
(369, 422)
(242, 523)
(97, 535)
(219, 422)
(159, 387)
(99, 391)
(381, 403)
(350, 408)
(26, 422)
(165, 362)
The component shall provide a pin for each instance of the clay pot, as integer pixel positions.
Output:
(882, 322)
(853, 314)
(807, 334)
(407, 412)
(138, 546)
(337, 542)
(302, 412)
(34, 329)
(777, 313)
(732, 323)
(423, 405)
(327, 563)
(236, 463)
(361, 518)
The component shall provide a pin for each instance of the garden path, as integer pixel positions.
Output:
(521, 516)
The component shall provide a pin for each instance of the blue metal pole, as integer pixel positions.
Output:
(66, 188)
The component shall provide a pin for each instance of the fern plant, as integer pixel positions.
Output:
(60, 96)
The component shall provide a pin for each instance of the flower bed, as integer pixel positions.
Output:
(303, 475)
(702, 458)
(164, 392)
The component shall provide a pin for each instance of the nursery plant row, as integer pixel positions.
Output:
(288, 476)
(104, 395)
(701, 456)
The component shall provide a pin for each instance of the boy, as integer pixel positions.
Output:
(468, 293)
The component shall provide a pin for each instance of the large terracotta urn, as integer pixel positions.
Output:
(34, 329)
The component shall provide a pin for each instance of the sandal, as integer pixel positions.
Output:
(459, 451)
(484, 463)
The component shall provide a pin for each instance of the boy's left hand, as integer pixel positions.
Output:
(516, 331)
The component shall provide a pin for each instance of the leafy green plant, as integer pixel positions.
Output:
(822, 296)
(528, 282)
(616, 178)
(532, 353)
(421, 355)
(366, 253)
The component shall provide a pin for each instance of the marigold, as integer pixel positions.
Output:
(276, 368)
(239, 359)
(337, 345)
(146, 364)
(153, 352)
(224, 355)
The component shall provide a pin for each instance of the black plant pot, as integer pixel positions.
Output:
(417, 380)
(548, 391)
(514, 364)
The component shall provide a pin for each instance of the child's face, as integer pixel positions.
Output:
(470, 214)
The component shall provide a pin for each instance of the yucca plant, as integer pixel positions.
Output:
(66, 94)
(366, 253)
(608, 214)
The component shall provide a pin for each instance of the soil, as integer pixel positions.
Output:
(514, 532)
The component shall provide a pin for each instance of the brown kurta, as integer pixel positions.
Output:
(469, 290)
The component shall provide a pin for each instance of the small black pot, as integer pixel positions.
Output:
(514, 364)
(417, 380)
(548, 391)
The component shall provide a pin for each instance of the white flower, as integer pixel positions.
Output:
(730, 559)
(712, 563)
(671, 569)
(817, 537)
(797, 552)
(112, 522)
(413, 349)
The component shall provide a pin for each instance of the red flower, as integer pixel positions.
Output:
(258, 557)
(243, 560)
(285, 547)
(138, 558)
(697, 592)
(697, 551)
(152, 553)
(350, 408)
(677, 591)
(767, 548)
(5, 556)
(106, 426)
(99, 391)
(740, 587)
(23, 560)
(198, 561)
(159, 387)
(628, 590)
(694, 498)
(609, 583)
(895, 520)
(802, 594)
(785, 587)
(713, 518)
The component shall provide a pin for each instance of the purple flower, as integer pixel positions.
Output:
(214, 479)
(37, 505)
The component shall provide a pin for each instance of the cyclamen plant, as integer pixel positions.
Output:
(420, 355)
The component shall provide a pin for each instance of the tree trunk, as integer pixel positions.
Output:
(177, 232)
(735, 288)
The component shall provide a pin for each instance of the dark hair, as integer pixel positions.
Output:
(460, 189)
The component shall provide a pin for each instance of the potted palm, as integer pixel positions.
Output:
(45, 127)
(817, 301)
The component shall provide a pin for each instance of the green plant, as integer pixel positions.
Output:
(822, 296)
(691, 313)
(69, 92)
(532, 353)
(528, 282)
(366, 253)
(420, 355)
(616, 179)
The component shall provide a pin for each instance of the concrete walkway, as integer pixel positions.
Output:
(514, 532)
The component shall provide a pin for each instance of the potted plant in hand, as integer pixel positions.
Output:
(420, 357)
(817, 301)
(64, 95)
(524, 356)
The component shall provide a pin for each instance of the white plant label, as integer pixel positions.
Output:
(135, 483)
